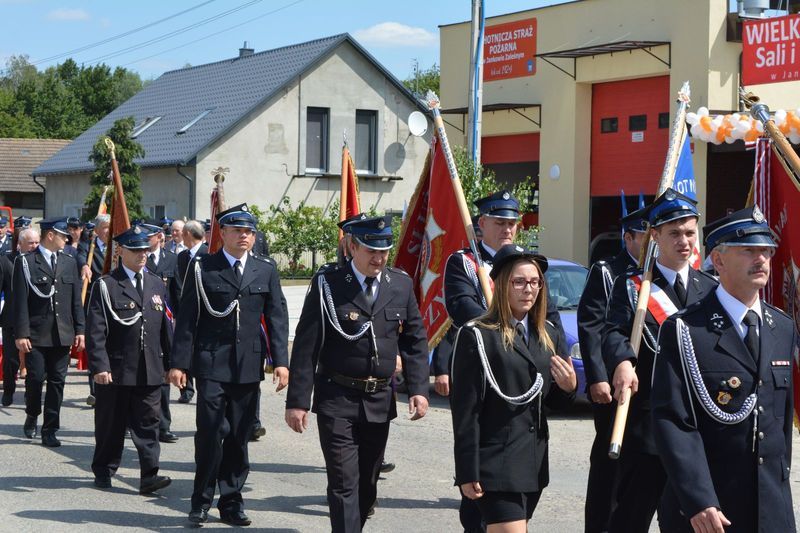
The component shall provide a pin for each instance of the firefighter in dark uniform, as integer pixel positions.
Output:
(641, 477)
(218, 338)
(591, 318)
(48, 320)
(722, 394)
(128, 338)
(356, 319)
(464, 298)
(6, 237)
(163, 264)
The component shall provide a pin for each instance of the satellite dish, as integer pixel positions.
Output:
(417, 124)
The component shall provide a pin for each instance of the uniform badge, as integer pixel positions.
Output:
(670, 195)
(388, 278)
(352, 315)
(758, 216)
(244, 208)
(781, 362)
(137, 230)
(158, 305)
(348, 278)
(717, 321)
(768, 318)
(734, 382)
(131, 305)
(723, 398)
(506, 196)
(381, 224)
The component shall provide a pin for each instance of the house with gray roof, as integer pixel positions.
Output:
(18, 158)
(276, 119)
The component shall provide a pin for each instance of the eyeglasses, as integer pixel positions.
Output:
(520, 283)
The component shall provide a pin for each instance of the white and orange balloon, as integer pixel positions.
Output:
(739, 126)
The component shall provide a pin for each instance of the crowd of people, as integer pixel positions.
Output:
(708, 436)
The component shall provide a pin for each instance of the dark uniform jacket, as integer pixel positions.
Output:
(591, 313)
(617, 347)
(121, 350)
(5, 246)
(212, 348)
(182, 261)
(503, 446)
(166, 267)
(320, 350)
(6, 272)
(48, 322)
(98, 258)
(711, 464)
(261, 246)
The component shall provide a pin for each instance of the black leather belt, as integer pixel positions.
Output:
(368, 385)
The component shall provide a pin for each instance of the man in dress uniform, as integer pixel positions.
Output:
(175, 244)
(218, 338)
(101, 230)
(641, 477)
(5, 237)
(498, 222)
(347, 353)
(722, 394)
(128, 339)
(48, 320)
(591, 318)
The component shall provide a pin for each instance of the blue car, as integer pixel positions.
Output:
(565, 283)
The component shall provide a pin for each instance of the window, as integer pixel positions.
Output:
(637, 122)
(663, 121)
(366, 141)
(608, 125)
(141, 128)
(317, 139)
(194, 121)
(24, 200)
(157, 211)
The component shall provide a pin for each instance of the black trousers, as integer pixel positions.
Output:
(640, 484)
(225, 414)
(118, 407)
(165, 420)
(48, 363)
(353, 451)
(601, 486)
(10, 361)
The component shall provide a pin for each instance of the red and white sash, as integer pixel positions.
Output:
(660, 305)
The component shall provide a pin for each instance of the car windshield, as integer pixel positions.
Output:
(565, 284)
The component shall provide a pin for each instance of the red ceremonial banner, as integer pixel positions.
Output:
(778, 197)
(349, 203)
(509, 50)
(771, 50)
(432, 230)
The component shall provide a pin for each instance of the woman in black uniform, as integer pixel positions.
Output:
(506, 365)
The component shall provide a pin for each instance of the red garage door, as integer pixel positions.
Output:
(630, 134)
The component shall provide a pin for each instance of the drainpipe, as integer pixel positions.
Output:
(191, 191)
(44, 197)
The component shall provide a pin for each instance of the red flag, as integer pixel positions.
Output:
(432, 230)
(119, 214)
(779, 198)
(349, 203)
(215, 241)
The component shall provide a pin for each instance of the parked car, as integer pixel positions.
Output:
(565, 283)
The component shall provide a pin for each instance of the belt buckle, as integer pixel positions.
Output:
(371, 385)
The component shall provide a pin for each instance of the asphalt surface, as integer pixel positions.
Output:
(43, 488)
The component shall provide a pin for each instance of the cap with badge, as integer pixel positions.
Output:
(135, 238)
(499, 205)
(150, 228)
(56, 224)
(237, 217)
(635, 221)
(22, 222)
(510, 253)
(3, 221)
(343, 223)
(671, 206)
(746, 227)
(207, 224)
(372, 232)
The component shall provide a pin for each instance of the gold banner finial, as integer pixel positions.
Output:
(220, 173)
(110, 146)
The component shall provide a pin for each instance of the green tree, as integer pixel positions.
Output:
(476, 181)
(56, 112)
(14, 122)
(127, 150)
(423, 81)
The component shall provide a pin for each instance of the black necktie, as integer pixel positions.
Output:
(139, 287)
(370, 289)
(680, 290)
(751, 337)
(53, 262)
(520, 332)
(237, 274)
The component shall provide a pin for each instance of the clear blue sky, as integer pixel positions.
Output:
(395, 32)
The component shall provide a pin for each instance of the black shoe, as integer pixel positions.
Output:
(258, 432)
(198, 516)
(30, 426)
(8, 398)
(150, 485)
(102, 482)
(167, 436)
(185, 397)
(371, 511)
(386, 467)
(91, 400)
(235, 518)
(50, 440)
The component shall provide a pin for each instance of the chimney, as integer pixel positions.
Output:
(244, 51)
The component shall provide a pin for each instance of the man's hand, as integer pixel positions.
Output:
(600, 392)
(473, 490)
(79, 342)
(280, 376)
(177, 377)
(23, 345)
(86, 272)
(442, 385)
(297, 419)
(398, 365)
(103, 378)
(625, 378)
(417, 406)
(710, 520)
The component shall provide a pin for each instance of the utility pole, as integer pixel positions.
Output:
(475, 104)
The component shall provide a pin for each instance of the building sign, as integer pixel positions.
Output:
(771, 50)
(637, 136)
(509, 50)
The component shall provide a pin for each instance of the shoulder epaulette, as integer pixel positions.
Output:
(707, 275)
(263, 259)
(148, 273)
(635, 271)
(327, 267)
(397, 270)
(776, 309)
(691, 308)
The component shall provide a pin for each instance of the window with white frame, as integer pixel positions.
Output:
(317, 139)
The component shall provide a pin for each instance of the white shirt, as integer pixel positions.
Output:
(362, 279)
(132, 276)
(233, 260)
(100, 244)
(671, 275)
(177, 247)
(47, 254)
(155, 256)
(736, 310)
(524, 323)
(489, 249)
(193, 250)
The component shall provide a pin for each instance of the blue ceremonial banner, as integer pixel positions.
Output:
(684, 172)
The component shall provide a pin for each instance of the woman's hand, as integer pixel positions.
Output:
(473, 490)
(564, 373)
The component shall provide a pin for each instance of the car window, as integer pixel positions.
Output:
(565, 284)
